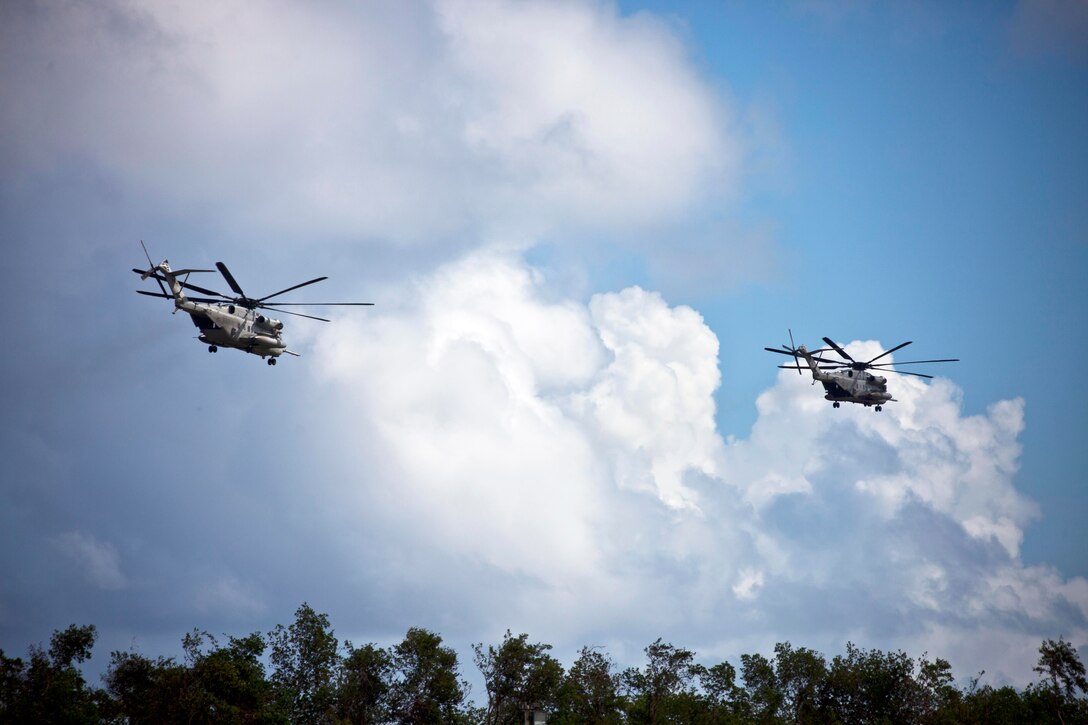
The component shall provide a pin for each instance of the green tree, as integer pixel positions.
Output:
(800, 675)
(664, 691)
(217, 684)
(872, 687)
(426, 685)
(989, 706)
(939, 696)
(141, 690)
(305, 661)
(234, 681)
(49, 688)
(366, 682)
(726, 701)
(764, 697)
(517, 676)
(1063, 676)
(75, 644)
(590, 691)
(12, 672)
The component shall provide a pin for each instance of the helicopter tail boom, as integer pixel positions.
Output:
(810, 360)
(171, 277)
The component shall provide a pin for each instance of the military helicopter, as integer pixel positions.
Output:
(226, 321)
(849, 381)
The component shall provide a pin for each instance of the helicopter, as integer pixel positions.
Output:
(850, 381)
(225, 321)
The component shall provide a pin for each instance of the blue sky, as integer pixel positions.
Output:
(581, 223)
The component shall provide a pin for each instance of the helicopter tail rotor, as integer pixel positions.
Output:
(793, 348)
(152, 268)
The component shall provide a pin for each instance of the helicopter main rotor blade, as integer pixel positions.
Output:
(151, 264)
(317, 304)
(170, 297)
(838, 349)
(888, 352)
(190, 299)
(276, 294)
(230, 278)
(202, 291)
(298, 314)
(905, 372)
(915, 362)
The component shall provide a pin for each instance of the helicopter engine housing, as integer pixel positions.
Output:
(268, 323)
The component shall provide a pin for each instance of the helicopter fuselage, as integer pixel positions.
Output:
(849, 386)
(225, 324)
(228, 325)
(854, 387)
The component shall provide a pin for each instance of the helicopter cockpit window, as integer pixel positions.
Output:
(850, 373)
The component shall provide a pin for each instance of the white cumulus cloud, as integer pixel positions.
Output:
(570, 448)
(513, 418)
(396, 121)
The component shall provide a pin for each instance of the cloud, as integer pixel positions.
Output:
(652, 408)
(393, 121)
(570, 450)
(490, 451)
(748, 584)
(559, 95)
(511, 416)
(98, 561)
(228, 593)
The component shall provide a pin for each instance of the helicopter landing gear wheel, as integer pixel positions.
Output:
(835, 404)
(213, 348)
(271, 361)
(878, 409)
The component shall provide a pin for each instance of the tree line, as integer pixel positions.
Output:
(302, 673)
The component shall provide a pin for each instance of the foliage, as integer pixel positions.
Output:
(590, 691)
(1063, 678)
(311, 678)
(49, 687)
(365, 689)
(221, 684)
(725, 700)
(517, 676)
(800, 674)
(306, 664)
(763, 695)
(664, 689)
(872, 687)
(426, 687)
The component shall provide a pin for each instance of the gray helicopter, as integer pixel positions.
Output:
(849, 381)
(226, 321)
